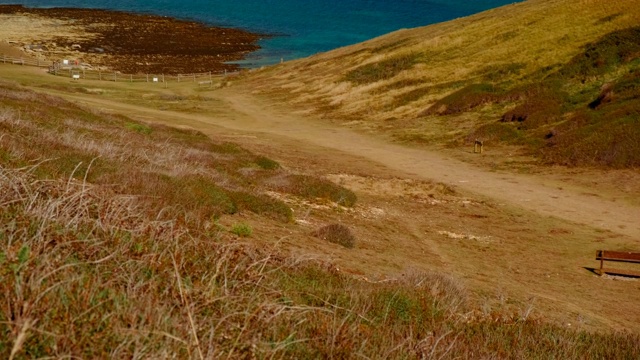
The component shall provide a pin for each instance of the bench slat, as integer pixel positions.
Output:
(618, 256)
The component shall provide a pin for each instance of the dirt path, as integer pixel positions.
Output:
(247, 114)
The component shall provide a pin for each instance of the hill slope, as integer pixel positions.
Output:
(122, 239)
(450, 83)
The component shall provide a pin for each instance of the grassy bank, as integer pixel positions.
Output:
(526, 78)
(112, 245)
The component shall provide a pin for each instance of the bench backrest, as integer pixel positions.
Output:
(618, 256)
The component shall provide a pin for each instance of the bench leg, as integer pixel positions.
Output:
(601, 266)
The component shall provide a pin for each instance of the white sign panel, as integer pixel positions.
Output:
(76, 76)
(155, 79)
(65, 62)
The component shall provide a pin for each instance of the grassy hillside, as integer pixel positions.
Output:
(527, 76)
(113, 244)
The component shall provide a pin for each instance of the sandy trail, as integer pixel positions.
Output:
(249, 114)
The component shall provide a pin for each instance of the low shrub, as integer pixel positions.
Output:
(241, 229)
(337, 234)
(262, 205)
(496, 132)
(466, 99)
(266, 163)
(382, 70)
(313, 187)
(139, 128)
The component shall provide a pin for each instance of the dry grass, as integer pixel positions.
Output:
(416, 84)
(337, 234)
(110, 246)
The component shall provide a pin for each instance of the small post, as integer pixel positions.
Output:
(601, 253)
(147, 77)
(162, 77)
(115, 76)
(99, 75)
(178, 77)
(130, 77)
(194, 77)
(478, 144)
(83, 74)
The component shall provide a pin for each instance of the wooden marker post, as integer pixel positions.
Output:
(478, 145)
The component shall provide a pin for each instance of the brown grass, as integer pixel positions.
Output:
(124, 255)
(337, 234)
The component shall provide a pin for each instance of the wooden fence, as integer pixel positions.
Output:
(77, 73)
(24, 61)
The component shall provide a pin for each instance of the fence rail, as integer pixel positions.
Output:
(77, 73)
(24, 61)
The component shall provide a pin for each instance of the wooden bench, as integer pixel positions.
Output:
(619, 256)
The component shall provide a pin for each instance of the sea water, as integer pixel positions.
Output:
(300, 27)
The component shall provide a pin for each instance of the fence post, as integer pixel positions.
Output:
(130, 77)
(178, 77)
(194, 77)
(115, 76)
(99, 75)
(162, 77)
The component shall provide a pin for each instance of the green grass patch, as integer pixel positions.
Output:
(382, 70)
(266, 163)
(241, 229)
(139, 128)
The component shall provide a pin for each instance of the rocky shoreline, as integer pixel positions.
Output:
(125, 42)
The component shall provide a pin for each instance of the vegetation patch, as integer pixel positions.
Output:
(501, 72)
(241, 229)
(497, 132)
(466, 99)
(382, 70)
(139, 128)
(337, 234)
(313, 187)
(542, 105)
(262, 205)
(266, 163)
(615, 49)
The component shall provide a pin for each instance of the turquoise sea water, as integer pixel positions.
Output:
(304, 27)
